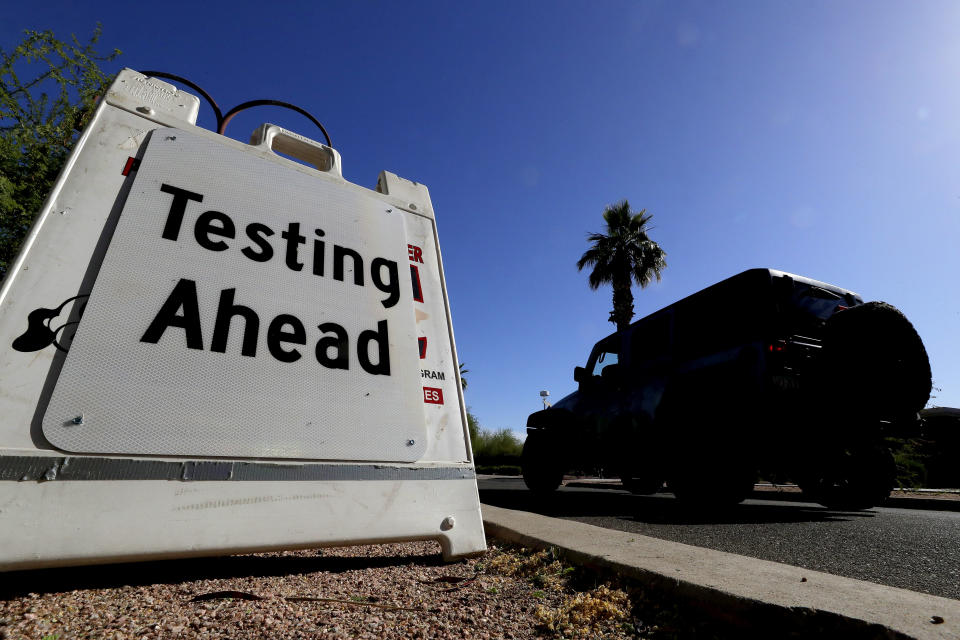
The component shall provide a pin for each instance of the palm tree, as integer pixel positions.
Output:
(622, 256)
(463, 371)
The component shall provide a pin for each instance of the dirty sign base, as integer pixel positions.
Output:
(250, 516)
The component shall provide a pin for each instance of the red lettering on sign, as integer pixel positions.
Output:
(131, 165)
(415, 253)
(422, 343)
(415, 279)
(432, 395)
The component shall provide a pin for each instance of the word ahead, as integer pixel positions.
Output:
(332, 351)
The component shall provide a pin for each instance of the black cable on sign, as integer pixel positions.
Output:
(196, 87)
(273, 103)
(224, 119)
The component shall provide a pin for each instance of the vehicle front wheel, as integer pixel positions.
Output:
(541, 465)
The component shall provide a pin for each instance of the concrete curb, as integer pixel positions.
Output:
(756, 596)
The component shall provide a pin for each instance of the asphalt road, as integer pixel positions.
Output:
(908, 548)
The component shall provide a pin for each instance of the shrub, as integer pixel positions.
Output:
(911, 460)
(493, 448)
(40, 119)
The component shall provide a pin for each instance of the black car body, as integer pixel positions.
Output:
(763, 373)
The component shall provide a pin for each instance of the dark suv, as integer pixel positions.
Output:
(763, 374)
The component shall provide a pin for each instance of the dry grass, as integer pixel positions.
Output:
(585, 615)
(579, 603)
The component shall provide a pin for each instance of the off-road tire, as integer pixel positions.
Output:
(852, 479)
(873, 361)
(540, 463)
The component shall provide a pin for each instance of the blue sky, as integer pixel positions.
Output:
(819, 138)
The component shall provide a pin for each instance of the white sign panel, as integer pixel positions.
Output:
(245, 309)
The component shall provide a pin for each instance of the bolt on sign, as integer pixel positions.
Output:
(247, 349)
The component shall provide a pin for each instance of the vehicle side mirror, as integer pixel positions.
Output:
(579, 374)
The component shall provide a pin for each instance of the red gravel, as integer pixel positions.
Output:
(394, 590)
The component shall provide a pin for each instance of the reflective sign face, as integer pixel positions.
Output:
(246, 309)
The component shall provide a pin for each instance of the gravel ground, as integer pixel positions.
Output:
(379, 591)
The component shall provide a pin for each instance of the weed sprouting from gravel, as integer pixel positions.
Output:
(580, 611)
(576, 602)
(542, 569)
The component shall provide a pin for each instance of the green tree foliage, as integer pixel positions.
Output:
(494, 451)
(497, 444)
(623, 255)
(910, 457)
(48, 89)
(474, 426)
(929, 458)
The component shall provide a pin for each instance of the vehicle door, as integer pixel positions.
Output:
(603, 388)
(650, 363)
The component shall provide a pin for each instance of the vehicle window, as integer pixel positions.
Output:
(820, 292)
(811, 305)
(604, 360)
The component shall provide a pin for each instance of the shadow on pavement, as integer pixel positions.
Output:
(655, 509)
(897, 500)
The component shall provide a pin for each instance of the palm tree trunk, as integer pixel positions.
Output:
(622, 312)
